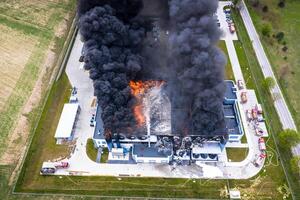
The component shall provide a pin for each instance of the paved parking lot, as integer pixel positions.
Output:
(227, 35)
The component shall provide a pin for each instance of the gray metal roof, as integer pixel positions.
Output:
(142, 150)
(230, 92)
(99, 125)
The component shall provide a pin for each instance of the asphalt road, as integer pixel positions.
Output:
(279, 102)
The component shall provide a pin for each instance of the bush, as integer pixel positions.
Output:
(255, 3)
(266, 29)
(265, 9)
(281, 4)
(285, 57)
(294, 162)
(285, 48)
(279, 36)
(268, 83)
(288, 138)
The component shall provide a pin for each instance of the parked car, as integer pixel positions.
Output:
(254, 114)
(47, 171)
(261, 144)
(232, 28)
(92, 123)
(259, 131)
(260, 118)
(249, 115)
(73, 99)
(244, 97)
(229, 20)
(240, 84)
(74, 90)
(61, 165)
(48, 168)
(227, 11)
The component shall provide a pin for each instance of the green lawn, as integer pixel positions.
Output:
(91, 150)
(228, 68)
(287, 70)
(104, 156)
(237, 154)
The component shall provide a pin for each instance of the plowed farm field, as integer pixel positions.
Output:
(32, 34)
(15, 50)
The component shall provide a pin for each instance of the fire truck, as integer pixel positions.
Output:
(259, 159)
(254, 113)
(244, 98)
(261, 144)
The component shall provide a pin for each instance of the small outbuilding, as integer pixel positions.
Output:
(67, 121)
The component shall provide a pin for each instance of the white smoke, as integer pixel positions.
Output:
(157, 111)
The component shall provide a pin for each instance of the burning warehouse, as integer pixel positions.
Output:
(158, 75)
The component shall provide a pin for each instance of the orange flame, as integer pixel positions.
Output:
(138, 90)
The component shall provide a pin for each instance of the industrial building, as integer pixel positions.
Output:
(232, 113)
(67, 121)
(148, 149)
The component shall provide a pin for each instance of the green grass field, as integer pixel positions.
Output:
(104, 156)
(90, 150)
(287, 70)
(228, 68)
(237, 154)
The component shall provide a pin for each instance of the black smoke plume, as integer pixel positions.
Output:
(111, 45)
(113, 40)
(125, 9)
(197, 86)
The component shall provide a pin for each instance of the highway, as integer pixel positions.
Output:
(279, 102)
